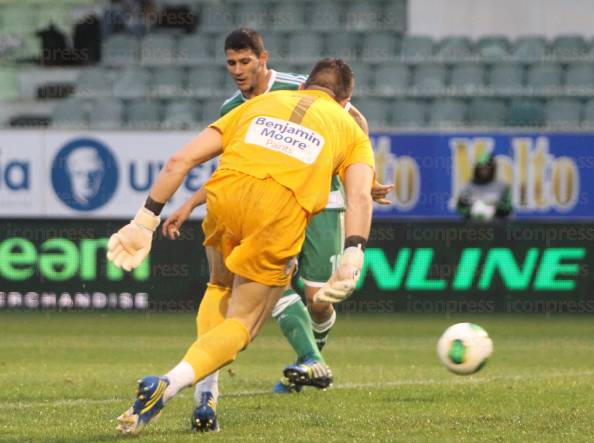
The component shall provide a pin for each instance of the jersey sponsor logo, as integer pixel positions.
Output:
(285, 137)
(84, 174)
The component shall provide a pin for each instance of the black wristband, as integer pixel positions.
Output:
(355, 240)
(153, 206)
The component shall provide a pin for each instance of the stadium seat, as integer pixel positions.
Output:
(430, 78)
(305, 47)
(169, 81)
(252, 15)
(392, 78)
(467, 78)
(144, 114)
(507, 79)
(94, 82)
(416, 47)
(447, 112)
(525, 112)
(194, 50)
(274, 42)
(71, 113)
(343, 45)
(409, 114)
(131, 82)
(363, 76)
(121, 50)
(158, 49)
(455, 48)
(9, 84)
(563, 113)
(211, 108)
(530, 48)
(362, 16)
(216, 16)
(181, 115)
(288, 16)
(205, 81)
(106, 113)
(493, 48)
(588, 115)
(375, 110)
(487, 112)
(325, 15)
(379, 46)
(579, 78)
(544, 78)
(569, 47)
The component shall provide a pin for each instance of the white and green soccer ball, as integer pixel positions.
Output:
(464, 348)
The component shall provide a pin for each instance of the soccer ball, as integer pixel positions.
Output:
(464, 348)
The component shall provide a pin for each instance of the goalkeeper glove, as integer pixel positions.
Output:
(342, 283)
(128, 247)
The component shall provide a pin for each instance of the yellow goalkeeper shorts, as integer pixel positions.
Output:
(256, 224)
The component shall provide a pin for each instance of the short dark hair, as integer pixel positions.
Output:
(245, 38)
(333, 74)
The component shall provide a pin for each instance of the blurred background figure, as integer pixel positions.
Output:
(485, 197)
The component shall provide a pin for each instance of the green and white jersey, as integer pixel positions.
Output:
(288, 81)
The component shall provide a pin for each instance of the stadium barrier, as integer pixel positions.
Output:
(61, 174)
(519, 267)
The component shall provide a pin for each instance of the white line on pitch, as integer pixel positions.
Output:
(342, 386)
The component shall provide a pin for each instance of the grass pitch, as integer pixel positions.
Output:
(64, 377)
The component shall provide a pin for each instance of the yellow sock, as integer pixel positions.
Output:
(213, 308)
(217, 347)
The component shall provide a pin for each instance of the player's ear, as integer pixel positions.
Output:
(264, 56)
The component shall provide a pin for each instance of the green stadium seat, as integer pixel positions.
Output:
(132, 82)
(409, 114)
(106, 113)
(194, 50)
(211, 108)
(342, 44)
(447, 112)
(9, 83)
(169, 81)
(493, 47)
(121, 50)
(430, 78)
(252, 15)
(363, 16)
(375, 110)
(507, 79)
(204, 81)
(274, 42)
(525, 112)
(563, 113)
(181, 115)
(579, 78)
(71, 113)
(569, 47)
(379, 46)
(158, 49)
(144, 114)
(530, 48)
(588, 115)
(363, 76)
(416, 47)
(325, 16)
(392, 78)
(467, 78)
(545, 78)
(216, 16)
(487, 112)
(455, 48)
(288, 16)
(305, 47)
(94, 82)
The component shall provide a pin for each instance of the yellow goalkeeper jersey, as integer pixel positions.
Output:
(299, 138)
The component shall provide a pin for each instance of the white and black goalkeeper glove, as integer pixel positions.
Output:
(342, 283)
(128, 247)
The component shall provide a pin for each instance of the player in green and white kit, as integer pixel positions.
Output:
(247, 64)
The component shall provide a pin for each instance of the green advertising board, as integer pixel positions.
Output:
(412, 267)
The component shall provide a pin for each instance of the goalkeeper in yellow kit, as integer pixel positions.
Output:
(279, 153)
